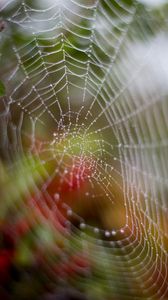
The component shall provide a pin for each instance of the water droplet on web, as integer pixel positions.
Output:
(96, 230)
(69, 212)
(57, 196)
(107, 233)
(82, 225)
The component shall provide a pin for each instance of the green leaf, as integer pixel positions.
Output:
(2, 89)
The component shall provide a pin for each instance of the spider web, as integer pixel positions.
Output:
(87, 96)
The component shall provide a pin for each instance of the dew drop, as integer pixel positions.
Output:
(107, 233)
(96, 230)
(82, 226)
(57, 196)
(69, 212)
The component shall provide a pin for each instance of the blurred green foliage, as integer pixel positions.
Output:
(2, 89)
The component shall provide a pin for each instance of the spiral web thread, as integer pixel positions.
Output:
(85, 70)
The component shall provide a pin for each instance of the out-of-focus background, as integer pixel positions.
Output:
(83, 149)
